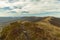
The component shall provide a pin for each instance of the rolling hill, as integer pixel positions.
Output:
(32, 28)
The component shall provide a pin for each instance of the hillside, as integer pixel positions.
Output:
(29, 29)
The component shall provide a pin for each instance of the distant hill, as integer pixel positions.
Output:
(32, 28)
(4, 20)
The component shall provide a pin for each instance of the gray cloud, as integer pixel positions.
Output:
(19, 7)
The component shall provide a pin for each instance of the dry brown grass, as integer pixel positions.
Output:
(25, 30)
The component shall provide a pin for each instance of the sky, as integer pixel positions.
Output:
(17, 8)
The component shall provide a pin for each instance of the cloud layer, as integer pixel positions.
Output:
(17, 8)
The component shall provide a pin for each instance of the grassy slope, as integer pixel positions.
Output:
(25, 30)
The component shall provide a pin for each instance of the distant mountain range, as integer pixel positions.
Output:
(11, 19)
(6, 20)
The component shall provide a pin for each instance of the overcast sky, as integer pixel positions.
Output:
(16, 8)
